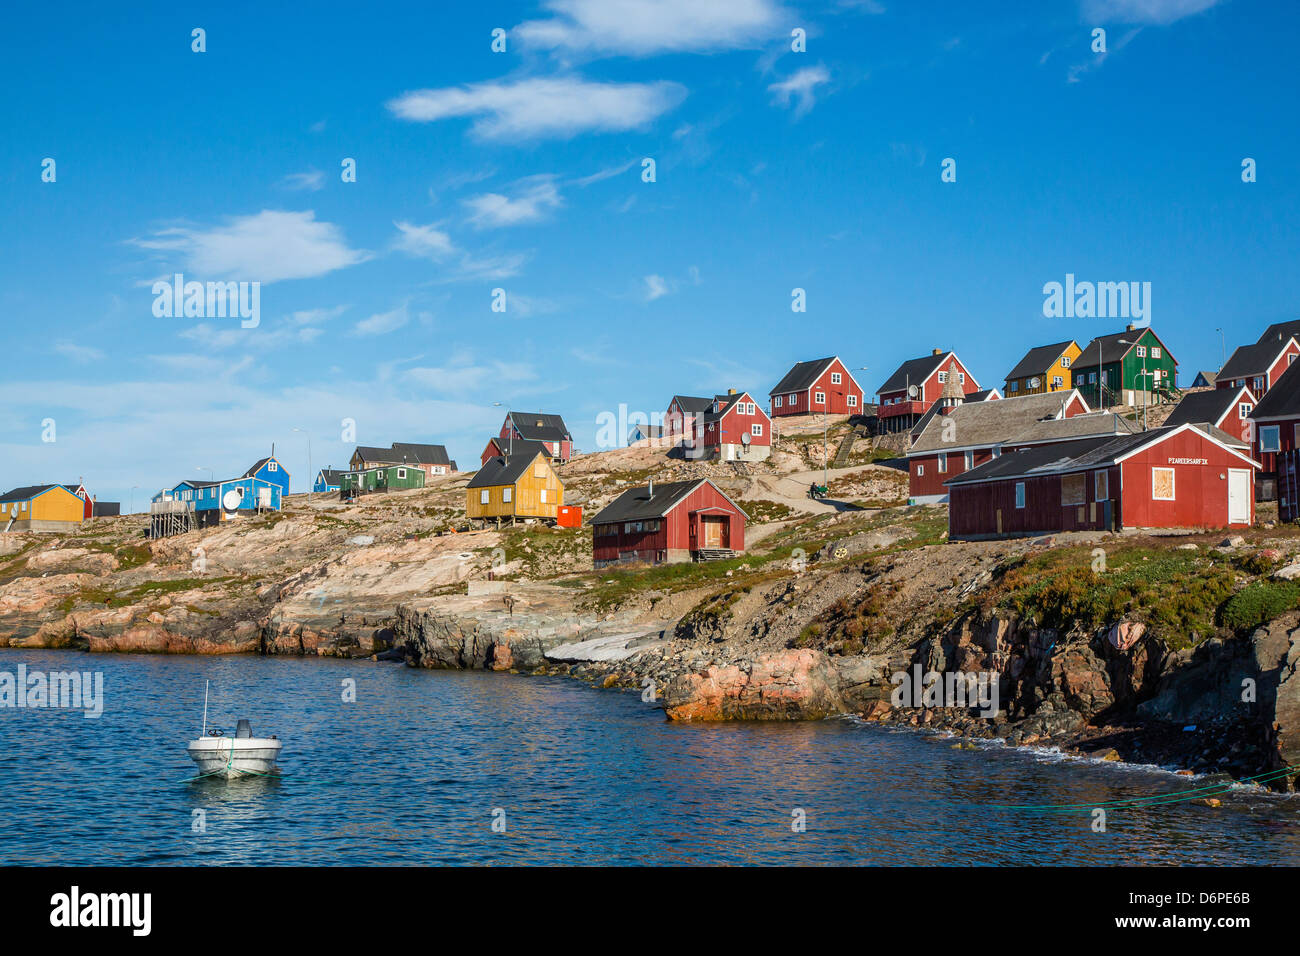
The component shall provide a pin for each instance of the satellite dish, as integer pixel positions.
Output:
(745, 439)
(230, 500)
(911, 391)
(1033, 383)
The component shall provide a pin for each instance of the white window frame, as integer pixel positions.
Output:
(1141, 351)
(777, 401)
(853, 401)
(961, 378)
(485, 496)
(836, 378)
(1275, 444)
(942, 463)
(401, 473)
(1155, 351)
(507, 494)
(1065, 361)
(968, 460)
(819, 398)
(1173, 478)
(543, 496)
(1244, 410)
(920, 469)
(756, 429)
(943, 378)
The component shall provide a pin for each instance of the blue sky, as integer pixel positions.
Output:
(522, 170)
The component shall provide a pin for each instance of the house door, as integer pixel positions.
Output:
(715, 531)
(1238, 495)
(263, 497)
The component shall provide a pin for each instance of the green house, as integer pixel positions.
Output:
(382, 478)
(1132, 367)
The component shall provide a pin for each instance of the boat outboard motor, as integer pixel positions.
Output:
(243, 728)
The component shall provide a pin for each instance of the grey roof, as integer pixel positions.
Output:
(801, 377)
(1077, 455)
(933, 410)
(518, 446)
(726, 402)
(26, 492)
(1248, 360)
(1283, 399)
(1039, 359)
(1087, 425)
(1281, 331)
(980, 424)
(692, 403)
(1208, 406)
(537, 426)
(913, 372)
(330, 475)
(1107, 348)
(256, 466)
(1207, 377)
(405, 453)
(636, 504)
(983, 395)
(503, 469)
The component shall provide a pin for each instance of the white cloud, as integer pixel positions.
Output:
(646, 27)
(312, 180)
(656, 287)
(532, 200)
(1144, 11)
(382, 323)
(461, 375)
(425, 242)
(799, 88)
(433, 243)
(542, 107)
(266, 247)
(78, 353)
(297, 328)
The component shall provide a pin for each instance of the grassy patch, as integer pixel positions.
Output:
(1258, 603)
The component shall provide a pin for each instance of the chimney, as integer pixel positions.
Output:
(936, 351)
(652, 488)
(731, 391)
(1130, 327)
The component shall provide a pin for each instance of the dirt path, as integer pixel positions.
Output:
(792, 490)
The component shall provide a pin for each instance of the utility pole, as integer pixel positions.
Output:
(1223, 350)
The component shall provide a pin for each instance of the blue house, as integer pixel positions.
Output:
(270, 471)
(327, 479)
(261, 488)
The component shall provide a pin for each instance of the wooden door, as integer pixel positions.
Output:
(713, 531)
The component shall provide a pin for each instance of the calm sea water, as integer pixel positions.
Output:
(412, 772)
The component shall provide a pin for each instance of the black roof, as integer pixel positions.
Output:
(537, 426)
(636, 504)
(405, 453)
(503, 469)
(692, 403)
(518, 446)
(251, 471)
(1209, 407)
(1248, 360)
(801, 377)
(1038, 360)
(724, 405)
(1283, 399)
(26, 492)
(1281, 331)
(331, 476)
(913, 372)
(1107, 348)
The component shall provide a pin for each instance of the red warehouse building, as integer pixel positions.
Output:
(963, 435)
(822, 385)
(1184, 476)
(916, 385)
(1276, 421)
(668, 523)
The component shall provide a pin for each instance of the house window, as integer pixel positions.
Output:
(1100, 486)
(401, 473)
(853, 401)
(969, 463)
(1057, 381)
(997, 451)
(1162, 484)
(819, 398)
(1020, 494)
(756, 430)
(961, 378)
(1013, 387)
(749, 408)
(1244, 410)
(778, 401)
(543, 492)
(1065, 361)
(943, 462)
(485, 496)
(943, 378)
(272, 466)
(836, 378)
(790, 400)
(1269, 438)
(920, 470)
(1155, 351)
(1259, 385)
(1141, 351)
(507, 494)
(1074, 490)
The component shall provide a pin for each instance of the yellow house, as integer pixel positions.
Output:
(1045, 368)
(524, 485)
(41, 508)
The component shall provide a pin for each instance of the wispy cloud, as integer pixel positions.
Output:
(268, 246)
(311, 181)
(462, 374)
(558, 107)
(656, 286)
(530, 201)
(1159, 12)
(435, 244)
(297, 328)
(81, 354)
(647, 27)
(800, 88)
(381, 323)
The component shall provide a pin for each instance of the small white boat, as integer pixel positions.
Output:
(232, 757)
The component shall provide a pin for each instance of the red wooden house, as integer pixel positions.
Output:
(958, 435)
(668, 523)
(822, 385)
(550, 430)
(683, 413)
(1276, 420)
(1225, 408)
(734, 428)
(498, 447)
(1258, 366)
(1183, 476)
(916, 385)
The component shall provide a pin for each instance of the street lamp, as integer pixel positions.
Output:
(1145, 375)
(510, 450)
(131, 507)
(1223, 349)
(311, 479)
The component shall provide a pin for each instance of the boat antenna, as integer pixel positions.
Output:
(205, 708)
